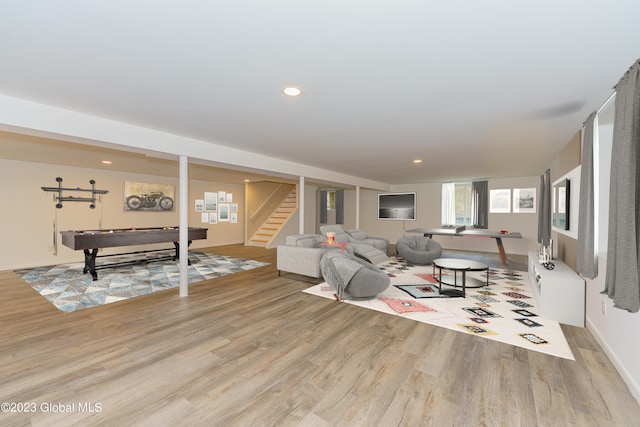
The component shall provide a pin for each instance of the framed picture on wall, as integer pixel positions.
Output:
(144, 196)
(524, 200)
(211, 201)
(223, 213)
(500, 201)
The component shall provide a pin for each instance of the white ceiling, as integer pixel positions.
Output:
(475, 89)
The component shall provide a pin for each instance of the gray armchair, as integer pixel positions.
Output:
(418, 249)
(353, 278)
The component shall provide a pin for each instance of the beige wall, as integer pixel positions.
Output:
(569, 158)
(429, 216)
(28, 211)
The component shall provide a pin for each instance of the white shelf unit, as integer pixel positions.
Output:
(559, 293)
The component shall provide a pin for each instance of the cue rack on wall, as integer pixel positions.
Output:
(59, 198)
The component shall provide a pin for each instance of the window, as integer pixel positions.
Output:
(331, 200)
(457, 206)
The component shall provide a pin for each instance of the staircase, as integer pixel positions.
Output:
(276, 220)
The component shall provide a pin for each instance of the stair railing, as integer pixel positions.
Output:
(266, 201)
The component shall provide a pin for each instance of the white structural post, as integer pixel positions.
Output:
(184, 226)
(301, 205)
(357, 207)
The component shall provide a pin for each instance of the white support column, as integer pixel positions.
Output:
(357, 206)
(184, 226)
(245, 213)
(301, 205)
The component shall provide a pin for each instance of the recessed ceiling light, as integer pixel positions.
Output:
(106, 162)
(292, 91)
(417, 161)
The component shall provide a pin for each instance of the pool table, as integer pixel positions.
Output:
(90, 241)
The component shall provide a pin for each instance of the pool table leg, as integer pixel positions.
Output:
(177, 255)
(90, 263)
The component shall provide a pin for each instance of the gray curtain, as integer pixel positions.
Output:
(544, 204)
(587, 252)
(339, 206)
(480, 195)
(622, 282)
(323, 207)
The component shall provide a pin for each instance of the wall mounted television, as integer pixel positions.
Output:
(397, 206)
(561, 204)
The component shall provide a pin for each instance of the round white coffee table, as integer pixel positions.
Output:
(472, 282)
(454, 265)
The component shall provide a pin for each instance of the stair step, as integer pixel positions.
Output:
(265, 234)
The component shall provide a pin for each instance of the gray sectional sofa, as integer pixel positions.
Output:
(356, 236)
(302, 252)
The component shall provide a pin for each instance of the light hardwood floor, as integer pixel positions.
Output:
(251, 349)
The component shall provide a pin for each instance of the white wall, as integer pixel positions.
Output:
(616, 330)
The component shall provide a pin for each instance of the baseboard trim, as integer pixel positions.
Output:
(634, 387)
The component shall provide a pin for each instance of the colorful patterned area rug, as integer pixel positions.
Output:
(504, 311)
(68, 289)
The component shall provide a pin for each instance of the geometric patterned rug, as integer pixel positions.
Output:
(504, 311)
(67, 288)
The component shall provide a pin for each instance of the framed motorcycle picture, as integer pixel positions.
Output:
(144, 196)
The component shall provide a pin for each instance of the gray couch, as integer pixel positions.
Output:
(370, 248)
(378, 242)
(302, 254)
(356, 236)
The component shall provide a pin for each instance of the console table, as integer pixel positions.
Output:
(463, 231)
(559, 293)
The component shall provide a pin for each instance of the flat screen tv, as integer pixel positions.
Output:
(397, 206)
(561, 204)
